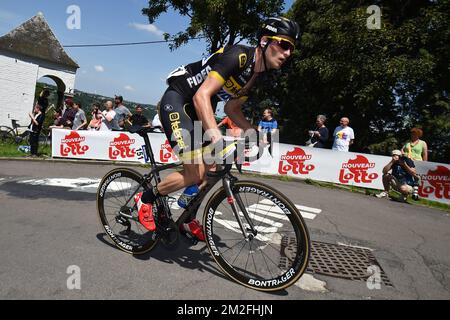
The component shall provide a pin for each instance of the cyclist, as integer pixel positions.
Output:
(193, 93)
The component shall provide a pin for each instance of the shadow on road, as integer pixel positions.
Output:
(185, 255)
(19, 190)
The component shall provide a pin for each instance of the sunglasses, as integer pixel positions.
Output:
(284, 44)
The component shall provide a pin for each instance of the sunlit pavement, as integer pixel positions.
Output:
(50, 231)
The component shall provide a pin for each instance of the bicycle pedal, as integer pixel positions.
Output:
(121, 220)
(169, 229)
(124, 222)
(170, 237)
(190, 237)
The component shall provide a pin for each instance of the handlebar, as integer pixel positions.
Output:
(245, 145)
(241, 145)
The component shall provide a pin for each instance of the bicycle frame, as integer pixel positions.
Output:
(227, 178)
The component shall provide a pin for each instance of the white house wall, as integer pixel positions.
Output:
(17, 88)
(67, 76)
(18, 79)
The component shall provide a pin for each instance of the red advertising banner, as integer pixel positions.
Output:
(363, 170)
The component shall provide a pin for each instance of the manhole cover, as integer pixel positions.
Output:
(343, 262)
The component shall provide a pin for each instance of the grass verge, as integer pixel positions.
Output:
(10, 150)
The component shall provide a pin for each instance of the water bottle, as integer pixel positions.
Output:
(188, 194)
(25, 149)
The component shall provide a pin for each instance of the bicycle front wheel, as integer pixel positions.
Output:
(118, 212)
(277, 256)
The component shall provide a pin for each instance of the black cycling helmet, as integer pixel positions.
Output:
(279, 26)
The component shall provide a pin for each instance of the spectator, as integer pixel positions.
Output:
(403, 177)
(122, 112)
(37, 119)
(97, 117)
(268, 126)
(343, 136)
(43, 100)
(156, 123)
(57, 122)
(138, 119)
(69, 115)
(234, 130)
(416, 149)
(57, 119)
(319, 136)
(109, 121)
(79, 121)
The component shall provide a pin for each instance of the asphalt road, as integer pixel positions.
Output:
(48, 229)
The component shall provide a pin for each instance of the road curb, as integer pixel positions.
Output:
(132, 164)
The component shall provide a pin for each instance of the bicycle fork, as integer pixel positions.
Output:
(237, 205)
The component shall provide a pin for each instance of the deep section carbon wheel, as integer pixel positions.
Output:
(274, 256)
(118, 212)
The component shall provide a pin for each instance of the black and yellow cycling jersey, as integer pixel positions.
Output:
(232, 66)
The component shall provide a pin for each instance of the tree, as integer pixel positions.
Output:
(221, 22)
(386, 81)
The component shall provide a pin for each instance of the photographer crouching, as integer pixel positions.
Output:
(403, 177)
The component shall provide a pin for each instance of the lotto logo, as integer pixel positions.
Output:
(294, 162)
(436, 182)
(121, 147)
(356, 170)
(72, 144)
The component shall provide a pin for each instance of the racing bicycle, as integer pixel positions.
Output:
(255, 234)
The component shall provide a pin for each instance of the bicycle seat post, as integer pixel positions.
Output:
(149, 151)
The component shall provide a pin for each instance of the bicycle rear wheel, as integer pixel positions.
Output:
(7, 135)
(44, 138)
(277, 256)
(118, 212)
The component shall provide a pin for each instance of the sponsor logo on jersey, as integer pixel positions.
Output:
(199, 77)
(229, 89)
(174, 118)
(247, 72)
(242, 60)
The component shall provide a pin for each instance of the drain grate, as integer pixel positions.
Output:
(343, 262)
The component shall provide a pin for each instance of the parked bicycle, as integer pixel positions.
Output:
(254, 233)
(18, 134)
